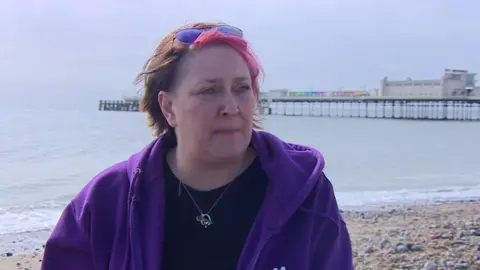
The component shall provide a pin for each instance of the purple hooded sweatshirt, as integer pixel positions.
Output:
(116, 221)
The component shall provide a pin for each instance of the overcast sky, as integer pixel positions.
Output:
(95, 48)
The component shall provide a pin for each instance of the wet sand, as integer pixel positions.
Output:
(443, 236)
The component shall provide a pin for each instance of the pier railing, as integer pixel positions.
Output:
(414, 108)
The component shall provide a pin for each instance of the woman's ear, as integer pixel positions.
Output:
(166, 105)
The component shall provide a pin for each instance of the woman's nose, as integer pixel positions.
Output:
(229, 106)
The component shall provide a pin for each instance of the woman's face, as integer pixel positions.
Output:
(213, 103)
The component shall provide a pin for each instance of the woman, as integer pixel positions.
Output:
(210, 192)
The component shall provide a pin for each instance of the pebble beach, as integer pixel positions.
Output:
(429, 236)
(442, 236)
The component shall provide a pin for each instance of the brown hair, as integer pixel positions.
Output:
(159, 74)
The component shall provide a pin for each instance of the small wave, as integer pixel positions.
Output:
(437, 177)
(38, 217)
(392, 197)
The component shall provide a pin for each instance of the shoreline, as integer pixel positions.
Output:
(435, 235)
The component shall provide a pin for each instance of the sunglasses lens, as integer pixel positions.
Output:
(230, 30)
(188, 36)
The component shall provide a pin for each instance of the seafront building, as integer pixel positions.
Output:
(453, 83)
(275, 93)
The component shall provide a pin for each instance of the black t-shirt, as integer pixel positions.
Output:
(190, 246)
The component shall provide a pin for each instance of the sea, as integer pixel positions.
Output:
(48, 153)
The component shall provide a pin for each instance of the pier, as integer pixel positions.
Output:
(119, 105)
(411, 108)
(408, 108)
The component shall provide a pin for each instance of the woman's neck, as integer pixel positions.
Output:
(207, 175)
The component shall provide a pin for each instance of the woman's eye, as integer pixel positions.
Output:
(244, 88)
(208, 90)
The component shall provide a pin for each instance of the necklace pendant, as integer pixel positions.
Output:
(205, 220)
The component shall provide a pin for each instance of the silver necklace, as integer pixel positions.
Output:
(204, 218)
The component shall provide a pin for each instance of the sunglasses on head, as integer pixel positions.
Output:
(190, 35)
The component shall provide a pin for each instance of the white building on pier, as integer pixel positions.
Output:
(454, 82)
